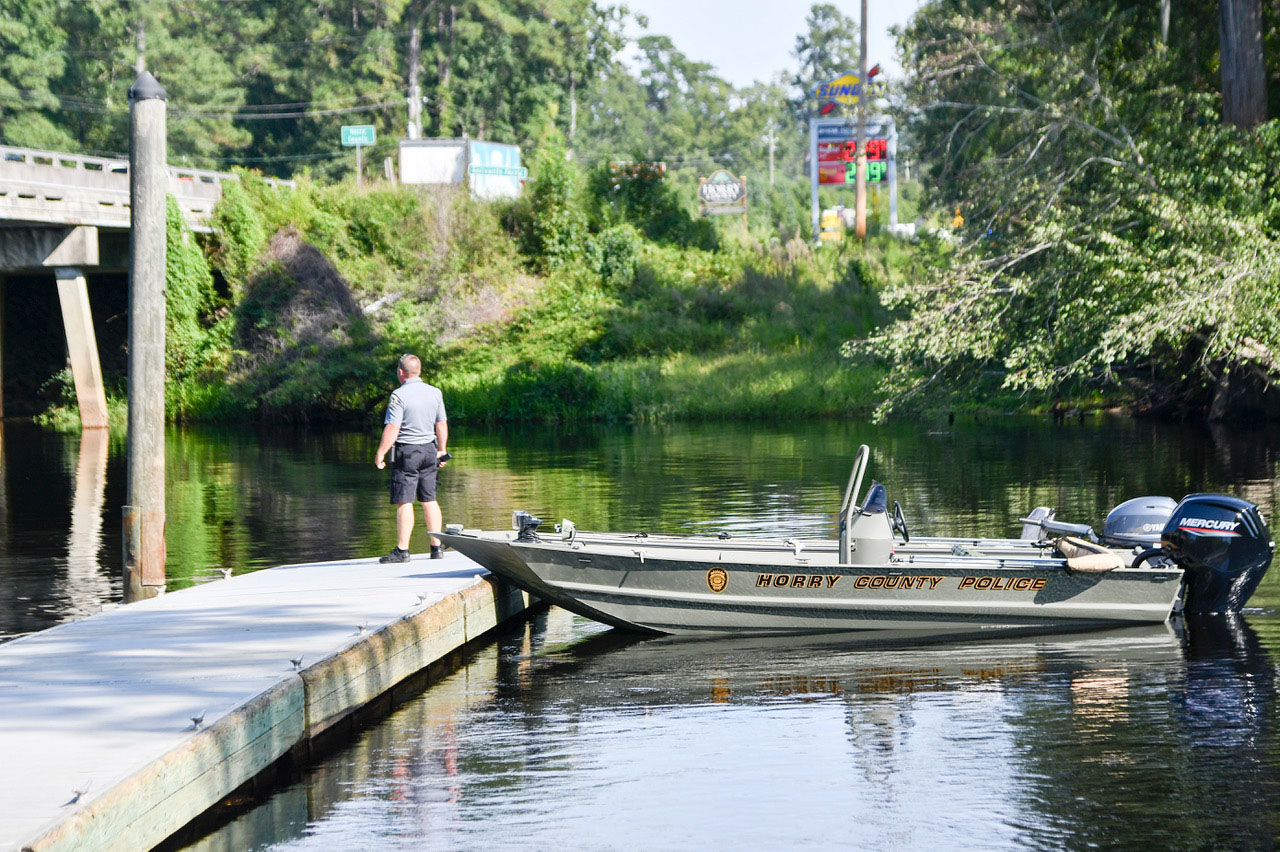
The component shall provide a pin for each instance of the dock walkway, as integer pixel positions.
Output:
(118, 729)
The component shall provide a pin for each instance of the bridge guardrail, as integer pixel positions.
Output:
(77, 189)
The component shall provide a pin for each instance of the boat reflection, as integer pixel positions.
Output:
(1107, 738)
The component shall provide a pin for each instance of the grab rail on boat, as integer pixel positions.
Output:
(850, 503)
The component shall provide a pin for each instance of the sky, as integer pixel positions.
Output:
(749, 40)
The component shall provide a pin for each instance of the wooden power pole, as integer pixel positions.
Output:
(144, 547)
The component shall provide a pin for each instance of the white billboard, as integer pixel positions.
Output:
(433, 160)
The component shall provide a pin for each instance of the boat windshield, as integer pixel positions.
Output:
(877, 500)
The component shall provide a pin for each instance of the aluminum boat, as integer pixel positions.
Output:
(1206, 553)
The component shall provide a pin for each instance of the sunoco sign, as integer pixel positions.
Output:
(722, 193)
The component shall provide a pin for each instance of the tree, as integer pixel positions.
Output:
(828, 47)
(1244, 79)
(32, 49)
(1102, 229)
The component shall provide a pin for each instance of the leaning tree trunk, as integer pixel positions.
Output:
(1244, 82)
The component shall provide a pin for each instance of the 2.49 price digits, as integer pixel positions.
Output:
(877, 149)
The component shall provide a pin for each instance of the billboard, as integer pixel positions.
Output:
(848, 89)
(495, 170)
(433, 160)
(490, 169)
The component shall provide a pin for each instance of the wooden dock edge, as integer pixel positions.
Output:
(153, 804)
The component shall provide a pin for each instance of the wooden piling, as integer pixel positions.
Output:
(148, 182)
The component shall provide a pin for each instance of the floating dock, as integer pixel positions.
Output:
(119, 729)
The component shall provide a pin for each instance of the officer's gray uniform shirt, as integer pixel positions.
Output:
(417, 407)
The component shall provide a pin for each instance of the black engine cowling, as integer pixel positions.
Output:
(1224, 547)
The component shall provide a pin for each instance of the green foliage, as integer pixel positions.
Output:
(1113, 225)
(554, 227)
(241, 235)
(31, 59)
(614, 254)
(652, 203)
(739, 332)
(194, 344)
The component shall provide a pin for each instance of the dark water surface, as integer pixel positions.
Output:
(564, 734)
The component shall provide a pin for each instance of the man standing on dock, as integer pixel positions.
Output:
(417, 428)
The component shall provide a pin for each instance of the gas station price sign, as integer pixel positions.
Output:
(838, 156)
(833, 159)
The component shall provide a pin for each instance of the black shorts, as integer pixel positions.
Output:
(414, 473)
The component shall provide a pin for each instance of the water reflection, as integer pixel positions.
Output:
(1105, 739)
(86, 587)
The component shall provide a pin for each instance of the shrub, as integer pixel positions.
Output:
(553, 233)
(614, 254)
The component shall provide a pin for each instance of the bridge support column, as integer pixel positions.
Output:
(86, 371)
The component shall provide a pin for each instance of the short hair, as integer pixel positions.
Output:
(410, 365)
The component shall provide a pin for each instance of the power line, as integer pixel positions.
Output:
(250, 112)
(259, 116)
(127, 47)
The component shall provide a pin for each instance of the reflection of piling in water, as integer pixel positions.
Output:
(4, 485)
(86, 586)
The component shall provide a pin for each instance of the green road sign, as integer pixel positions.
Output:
(358, 134)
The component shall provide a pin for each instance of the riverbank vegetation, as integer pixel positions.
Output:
(1117, 243)
(1122, 211)
(557, 307)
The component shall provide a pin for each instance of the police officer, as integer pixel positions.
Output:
(418, 429)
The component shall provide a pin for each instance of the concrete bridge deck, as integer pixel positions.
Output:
(55, 188)
(98, 726)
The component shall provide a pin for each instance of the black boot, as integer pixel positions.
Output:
(396, 555)
(437, 552)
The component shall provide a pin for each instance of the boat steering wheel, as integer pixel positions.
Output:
(900, 523)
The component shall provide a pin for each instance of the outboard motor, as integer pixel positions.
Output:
(1138, 522)
(1224, 547)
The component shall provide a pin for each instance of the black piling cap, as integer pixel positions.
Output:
(147, 88)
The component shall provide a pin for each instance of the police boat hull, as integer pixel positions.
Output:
(691, 587)
(1208, 555)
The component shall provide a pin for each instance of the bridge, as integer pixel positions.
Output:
(66, 215)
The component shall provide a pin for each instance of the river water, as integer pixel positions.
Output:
(562, 733)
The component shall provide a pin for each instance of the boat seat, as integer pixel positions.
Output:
(1085, 557)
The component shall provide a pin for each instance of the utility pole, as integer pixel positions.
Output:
(144, 547)
(862, 131)
(772, 139)
(140, 43)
